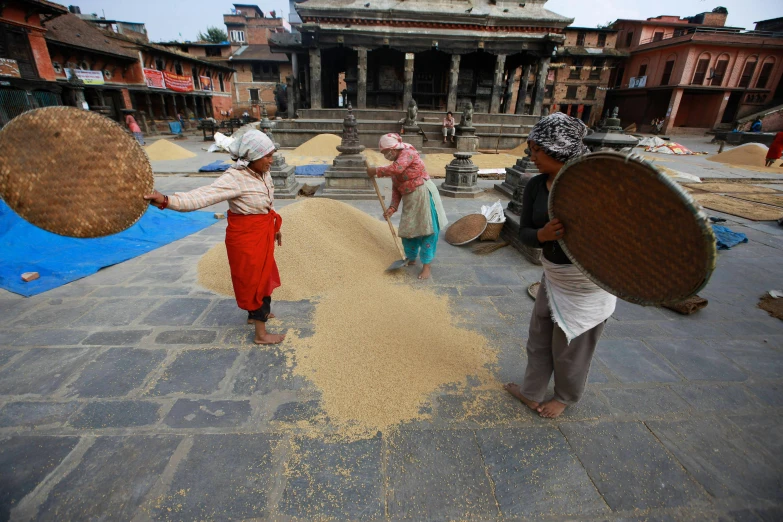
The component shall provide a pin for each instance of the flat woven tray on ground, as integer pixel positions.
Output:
(466, 229)
(73, 172)
(632, 230)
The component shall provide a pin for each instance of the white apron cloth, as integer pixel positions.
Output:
(576, 303)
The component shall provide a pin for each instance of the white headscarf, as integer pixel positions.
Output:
(252, 146)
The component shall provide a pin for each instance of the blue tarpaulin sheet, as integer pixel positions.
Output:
(215, 166)
(60, 260)
(311, 170)
(727, 238)
(175, 127)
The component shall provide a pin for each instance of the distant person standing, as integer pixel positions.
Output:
(134, 128)
(448, 127)
(775, 150)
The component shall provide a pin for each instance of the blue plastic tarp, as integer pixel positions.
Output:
(175, 127)
(727, 238)
(215, 166)
(60, 260)
(311, 170)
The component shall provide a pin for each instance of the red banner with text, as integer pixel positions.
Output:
(178, 83)
(154, 79)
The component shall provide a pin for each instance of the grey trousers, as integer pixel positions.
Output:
(548, 352)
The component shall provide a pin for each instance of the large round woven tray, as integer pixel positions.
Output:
(631, 229)
(73, 172)
(466, 229)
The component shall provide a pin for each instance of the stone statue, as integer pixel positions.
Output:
(467, 116)
(615, 112)
(413, 112)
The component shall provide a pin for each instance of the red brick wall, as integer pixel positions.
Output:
(222, 103)
(126, 99)
(15, 15)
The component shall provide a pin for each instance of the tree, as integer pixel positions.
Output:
(607, 25)
(213, 35)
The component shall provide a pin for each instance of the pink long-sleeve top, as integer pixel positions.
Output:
(407, 174)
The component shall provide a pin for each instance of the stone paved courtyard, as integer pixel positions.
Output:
(135, 394)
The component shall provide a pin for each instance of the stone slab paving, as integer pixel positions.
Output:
(135, 394)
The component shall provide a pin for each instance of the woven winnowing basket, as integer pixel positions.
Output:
(632, 230)
(466, 229)
(492, 232)
(73, 172)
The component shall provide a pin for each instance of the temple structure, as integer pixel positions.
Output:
(441, 53)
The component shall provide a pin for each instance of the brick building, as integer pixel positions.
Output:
(27, 78)
(582, 71)
(694, 72)
(222, 80)
(259, 72)
(103, 68)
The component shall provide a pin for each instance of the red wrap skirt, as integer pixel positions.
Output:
(250, 243)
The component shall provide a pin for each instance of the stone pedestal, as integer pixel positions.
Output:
(461, 178)
(510, 233)
(347, 177)
(517, 176)
(412, 136)
(283, 174)
(284, 178)
(467, 144)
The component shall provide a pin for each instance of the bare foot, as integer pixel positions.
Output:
(425, 272)
(551, 409)
(269, 339)
(271, 316)
(516, 391)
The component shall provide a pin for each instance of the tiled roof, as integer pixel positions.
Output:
(70, 30)
(260, 52)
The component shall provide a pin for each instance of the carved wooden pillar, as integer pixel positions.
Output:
(315, 79)
(522, 92)
(163, 113)
(361, 96)
(451, 104)
(497, 84)
(407, 90)
(543, 71)
(508, 107)
(148, 100)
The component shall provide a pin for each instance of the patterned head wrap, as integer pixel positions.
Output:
(391, 141)
(560, 136)
(252, 146)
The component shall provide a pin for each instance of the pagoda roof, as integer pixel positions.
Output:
(468, 12)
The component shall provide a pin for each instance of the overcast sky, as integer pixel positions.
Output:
(183, 19)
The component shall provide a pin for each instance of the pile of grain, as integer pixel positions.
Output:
(380, 349)
(519, 150)
(326, 243)
(321, 145)
(750, 154)
(436, 163)
(164, 150)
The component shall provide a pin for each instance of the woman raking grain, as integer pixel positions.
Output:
(253, 226)
(570, 310)
(423, 215)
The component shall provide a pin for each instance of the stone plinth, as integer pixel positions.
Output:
(347, 179)
(284, 178)
(519, 174)
(467, 144)
(412, 136)
(510, 233)
(461, 178)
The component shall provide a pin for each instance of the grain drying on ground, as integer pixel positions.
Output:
(436, 163)
(164, 150)
(322, 150)
(380, 347)
(747, 155)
